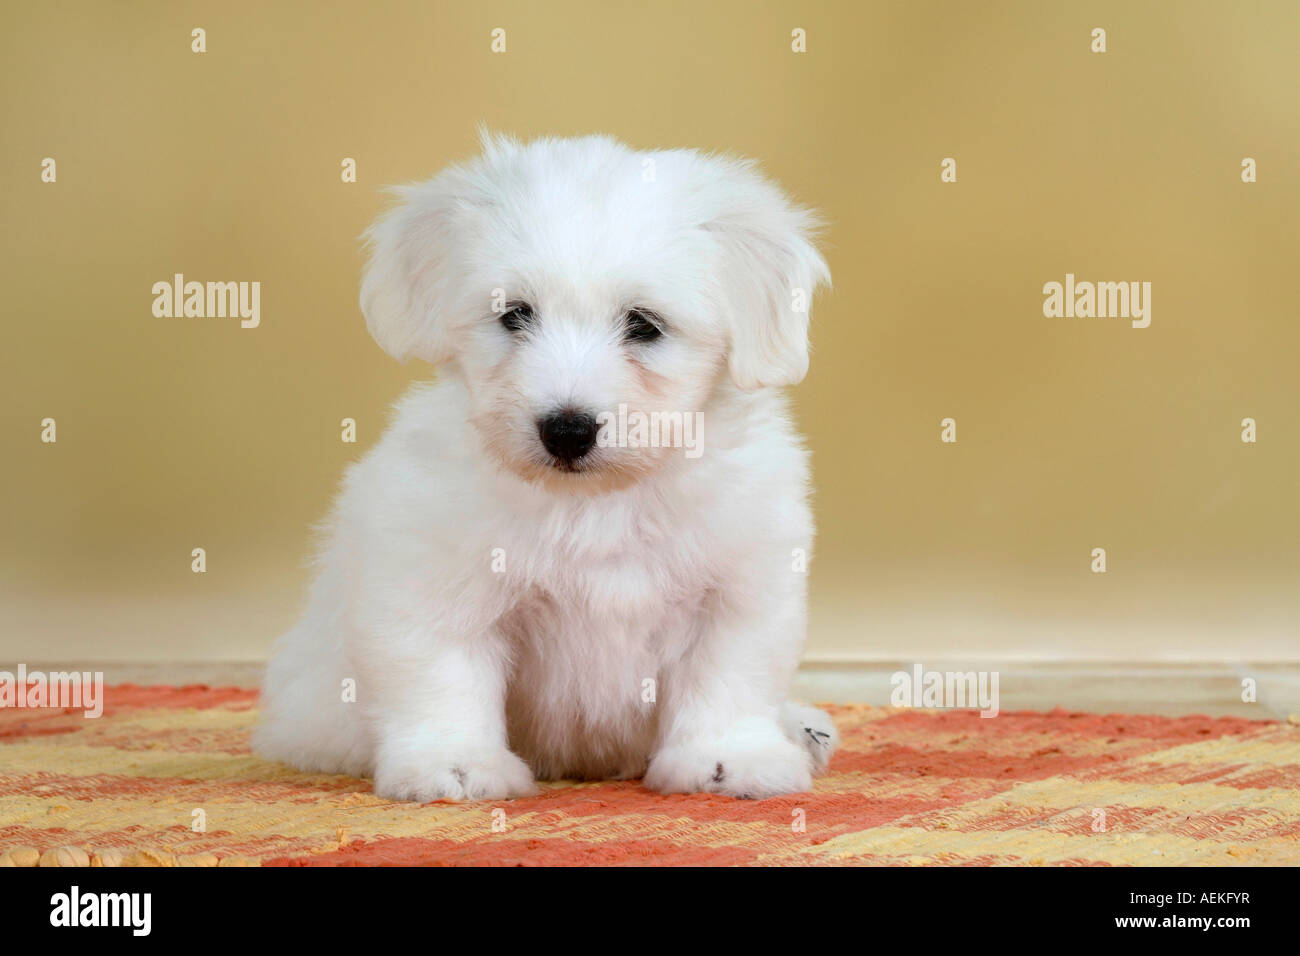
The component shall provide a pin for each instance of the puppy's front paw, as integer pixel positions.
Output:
(474, 775)
(812, 729)
(753, 759)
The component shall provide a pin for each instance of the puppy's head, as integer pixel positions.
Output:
(572, 281)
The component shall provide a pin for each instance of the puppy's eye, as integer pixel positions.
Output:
(641, 326)
(517, 317)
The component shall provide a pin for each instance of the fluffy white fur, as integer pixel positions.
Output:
(639, 565)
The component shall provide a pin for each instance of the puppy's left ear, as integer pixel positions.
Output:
(773, 270)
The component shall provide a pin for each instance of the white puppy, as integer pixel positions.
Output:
(515, 591)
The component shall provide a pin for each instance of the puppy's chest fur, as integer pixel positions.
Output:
(590, 638)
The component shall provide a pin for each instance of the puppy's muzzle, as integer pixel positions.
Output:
(568, 435)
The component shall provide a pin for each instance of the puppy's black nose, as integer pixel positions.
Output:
(568, 435)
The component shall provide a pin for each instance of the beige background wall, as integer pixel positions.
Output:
(1072, 433)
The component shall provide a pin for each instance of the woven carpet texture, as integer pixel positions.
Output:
(166, 777)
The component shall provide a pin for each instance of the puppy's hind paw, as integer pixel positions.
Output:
(489, 775)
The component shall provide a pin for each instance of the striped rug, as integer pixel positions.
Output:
(166, 777)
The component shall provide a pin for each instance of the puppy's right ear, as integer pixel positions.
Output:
(405, 283)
